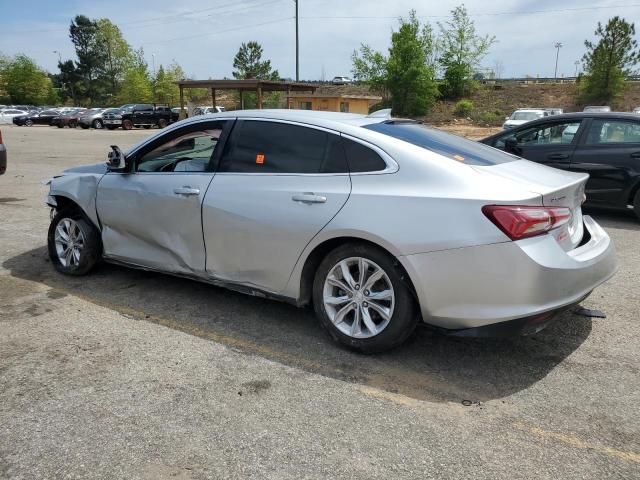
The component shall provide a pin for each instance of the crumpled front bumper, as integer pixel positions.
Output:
(483, 285)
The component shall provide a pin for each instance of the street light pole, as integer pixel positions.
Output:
(576, 63)
(297, 46)
(558, 46)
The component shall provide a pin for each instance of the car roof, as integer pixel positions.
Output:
(314, 117)
(529, 110)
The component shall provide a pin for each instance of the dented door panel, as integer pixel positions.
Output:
(162, 227)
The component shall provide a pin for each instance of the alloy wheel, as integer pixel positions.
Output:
(358, 297)
(69, 242)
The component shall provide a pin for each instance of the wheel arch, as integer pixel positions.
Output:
(62, 202)
(304, 273)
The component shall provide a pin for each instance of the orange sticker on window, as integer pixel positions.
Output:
(260, 158)
(460, 158)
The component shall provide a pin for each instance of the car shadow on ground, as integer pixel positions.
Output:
(430, 366)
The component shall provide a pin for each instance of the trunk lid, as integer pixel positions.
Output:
(557, 188)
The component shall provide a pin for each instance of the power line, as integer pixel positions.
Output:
(487, 14)
(221, 31)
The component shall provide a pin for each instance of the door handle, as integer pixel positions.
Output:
(309, 198)
(557, 156)
(186, 191)
(635, 155)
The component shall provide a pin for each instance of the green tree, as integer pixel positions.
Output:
(462, 49)
(407, 75)
(24, 82)
(91, 56)
(70, 81)
(610, 60)
(248, 63)
(136, 83)
(166, 91)
(117, 55)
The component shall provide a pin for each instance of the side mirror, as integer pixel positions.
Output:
(115, 159)
(511, 145)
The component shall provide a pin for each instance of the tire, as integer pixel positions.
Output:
(87, 239)
(396, 299)
(162, 123)
(636, 204)
(28, 123)
(127, 124)
(73, 124)
(97, 124)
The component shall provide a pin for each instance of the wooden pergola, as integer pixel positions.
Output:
(258, 86)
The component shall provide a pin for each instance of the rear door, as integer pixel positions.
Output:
(609, 151)
(550, 143)
(143, 115)
(277, 185)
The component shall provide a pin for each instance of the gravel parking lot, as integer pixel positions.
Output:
(129, 374)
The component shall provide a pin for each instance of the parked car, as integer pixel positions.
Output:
(68, 118)
(604, 145)
(205, 110)
(93, 117)
(340, 80)
(143, 115)
(39, 118)
(7, 114)
(596, 109)
(554, 111)
(303, 206)
(523, 115)
(636, 110)
(3, 156)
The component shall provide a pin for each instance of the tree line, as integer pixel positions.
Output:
(407, 77)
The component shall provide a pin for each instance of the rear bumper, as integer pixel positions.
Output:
(484, 285)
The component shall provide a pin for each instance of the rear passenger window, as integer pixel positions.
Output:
(361, 158)
(272, 147)
(613, 131)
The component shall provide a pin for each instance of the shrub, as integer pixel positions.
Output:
(463, 108)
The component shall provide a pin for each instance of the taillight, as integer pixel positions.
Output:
(518, 222)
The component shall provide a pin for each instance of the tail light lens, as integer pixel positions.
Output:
(518, 221)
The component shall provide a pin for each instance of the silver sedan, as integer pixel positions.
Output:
(380, 223)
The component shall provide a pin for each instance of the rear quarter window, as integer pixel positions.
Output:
(446, 144)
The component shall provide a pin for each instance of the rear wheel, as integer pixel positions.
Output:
(73, 243)
(636, 204)
(97, 124)
(362, 298)
(127, 124)
(28, 123)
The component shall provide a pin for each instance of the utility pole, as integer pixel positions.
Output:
(297, 46)
(558, 46)
(576, 63)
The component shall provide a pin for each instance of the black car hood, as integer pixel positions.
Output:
(100, 168)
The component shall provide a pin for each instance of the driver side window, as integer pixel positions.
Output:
(183, 151)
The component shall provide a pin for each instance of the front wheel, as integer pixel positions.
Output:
(73, 243)
(127, 124)
(362, 298)
(28, 123)
(162, 123)
(97, 124)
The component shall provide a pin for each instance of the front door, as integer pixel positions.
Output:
(278, 184)
(551, 143)
(610, 154)
(152, 216)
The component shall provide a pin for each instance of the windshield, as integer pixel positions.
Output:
(451, 146)
(525, 115)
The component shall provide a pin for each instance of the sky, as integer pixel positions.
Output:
(204, 35)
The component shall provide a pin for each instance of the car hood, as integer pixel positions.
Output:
(99, 168)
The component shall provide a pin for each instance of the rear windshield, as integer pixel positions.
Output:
(446, 144)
